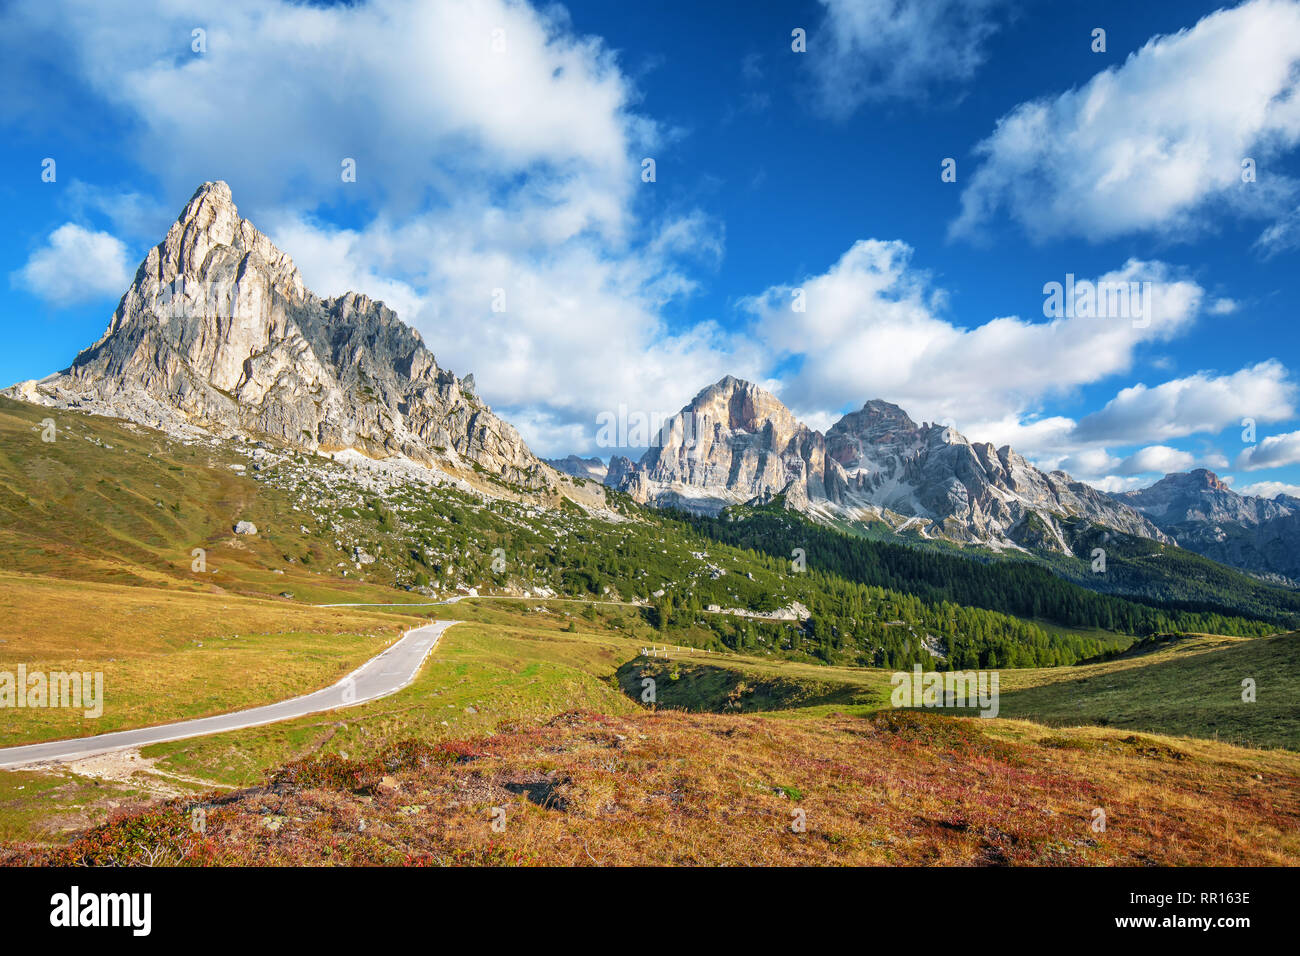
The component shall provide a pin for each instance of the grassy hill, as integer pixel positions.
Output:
(527, 708)
(112, 502)
(534, 705)
(1190, 687)
(169, 655)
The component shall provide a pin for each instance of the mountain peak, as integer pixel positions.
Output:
(877, 422)
(218, 331)
(729, 384)
(879, 410)
(740, 405)
(1200, 496)
(1207, 479)
(211, 201)
(210, 251)
(219, 189)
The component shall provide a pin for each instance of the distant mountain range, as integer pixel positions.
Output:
(1206, 516)
(218, 332)
(735, 442)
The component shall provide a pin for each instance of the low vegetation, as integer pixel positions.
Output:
(586, 788)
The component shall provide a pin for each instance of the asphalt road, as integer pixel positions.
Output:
(380, 676)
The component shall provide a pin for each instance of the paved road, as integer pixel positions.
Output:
(380, 676)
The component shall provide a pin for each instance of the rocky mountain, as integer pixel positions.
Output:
(735, 442)
(970, 490)
(591, 468)
(218, 331)
(1206, 516)
(619, 468)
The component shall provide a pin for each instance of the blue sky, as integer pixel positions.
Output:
(500, 146)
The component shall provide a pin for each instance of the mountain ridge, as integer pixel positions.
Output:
(1205, 515)
(736, 443)
(218, 331)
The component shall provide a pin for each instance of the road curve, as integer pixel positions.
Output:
(384, 674)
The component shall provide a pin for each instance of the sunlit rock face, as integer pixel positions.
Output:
(218, 331)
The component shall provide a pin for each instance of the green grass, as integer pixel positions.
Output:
(480, 676)
(169, 655)
(1192, 688)
(115, 503)
(95, 570)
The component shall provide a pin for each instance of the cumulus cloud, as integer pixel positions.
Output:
(1275, 451)
(873, 326)
(75, 265)
(871, 50)
(1149, 145)
(1200, 403)
(429, 99)
(1269, 489)
(1100, 468)
(495, 148)
(1156, 459)
(1118, 483)
(1089, 463)
(579, 333)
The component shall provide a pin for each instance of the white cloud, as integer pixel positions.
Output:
(1099, 467)
(1089, 463)
(1149, 145)
(1275, 451)
(1269, 489)
(477, 169)
(1156, 459)
(871, 50)
(872, 328)
(581, 333)
(1116, 483)
(417, 93)
(1200, 403)
(75, 265)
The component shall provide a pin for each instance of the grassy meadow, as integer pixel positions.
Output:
(531, 710)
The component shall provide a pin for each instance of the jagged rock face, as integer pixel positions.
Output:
(875, 462)
(619, 468)
(970, 490)
(1200, 496)
(732, 443)
(1206, 516)
(592, 468)
(218, 331)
